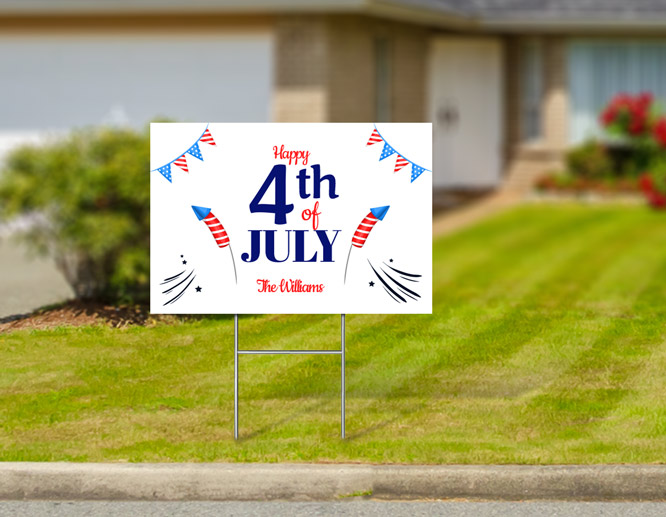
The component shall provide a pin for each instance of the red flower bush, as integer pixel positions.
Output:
(636, 119)
(645, 183)
(659, 131)
(653, 187)
(629, 115)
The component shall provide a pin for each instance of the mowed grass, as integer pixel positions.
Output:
(546, 345)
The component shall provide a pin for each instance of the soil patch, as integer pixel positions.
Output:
(79, 313)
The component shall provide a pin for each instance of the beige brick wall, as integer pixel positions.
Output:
(526, 161)
(352, 79)
(325, 69)
(512, 129)
(410, 75)
(556, 97)
(300, 92)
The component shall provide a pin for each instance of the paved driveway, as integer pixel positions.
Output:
(27, 283)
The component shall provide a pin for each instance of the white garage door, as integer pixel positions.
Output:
(58, 83)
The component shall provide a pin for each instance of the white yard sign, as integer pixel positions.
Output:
(291, 218)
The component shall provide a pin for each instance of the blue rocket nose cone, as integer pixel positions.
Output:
(201, 212)
(380, 211)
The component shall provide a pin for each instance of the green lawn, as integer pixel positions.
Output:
(546, 345)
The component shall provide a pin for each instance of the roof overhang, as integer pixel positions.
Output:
(165, 7)
(420, 12)
(426, 12)
(415, 11)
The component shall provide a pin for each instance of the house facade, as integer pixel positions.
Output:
(508, 84)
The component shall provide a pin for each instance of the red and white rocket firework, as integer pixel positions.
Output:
(216, 229)
(364, 229)
(368, 222)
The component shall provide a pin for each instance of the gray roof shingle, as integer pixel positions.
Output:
(488, 10)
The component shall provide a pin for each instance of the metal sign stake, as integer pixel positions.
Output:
(340, 352)
(342, 376)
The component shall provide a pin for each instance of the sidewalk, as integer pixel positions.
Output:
(315, 482)
(455, 220)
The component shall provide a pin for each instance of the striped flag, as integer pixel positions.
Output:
(214, 225)
(374, 138)
(400, 162)
(182, 163)
(207, 138)
(364, 229)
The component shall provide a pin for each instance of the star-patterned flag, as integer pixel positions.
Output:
(207, 138)
(165, 171)
(416, 172)
(374, 138)
(386, 152)
(195, 151)
(182, 163)
(400, 162)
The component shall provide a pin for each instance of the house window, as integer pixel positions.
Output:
(600, 69)
(531, 85)
(383, 72)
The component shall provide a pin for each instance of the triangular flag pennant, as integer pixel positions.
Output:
(182, 163)
(416, 172)
(374, 138)
(400, 162)
(386, 152)
(207, 138)
(165, 171)
(195, 151)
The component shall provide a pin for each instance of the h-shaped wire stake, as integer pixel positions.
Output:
(340, 352)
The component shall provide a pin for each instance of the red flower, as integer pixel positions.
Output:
(630, 114)
(608, 115)
(645, 182)
(645, 100)
(660, 131)
(657, 199)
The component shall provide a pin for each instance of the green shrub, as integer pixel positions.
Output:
(589, 160)
(90, 192)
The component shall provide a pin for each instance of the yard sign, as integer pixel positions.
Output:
(291, 218)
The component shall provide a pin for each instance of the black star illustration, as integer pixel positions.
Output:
(372, 284)
(198, 289)
(184, 261)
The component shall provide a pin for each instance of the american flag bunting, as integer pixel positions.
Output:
(182, 163)
(207, 138)
(374, 138)
(400, 162)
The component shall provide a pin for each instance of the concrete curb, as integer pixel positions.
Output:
(303, 482)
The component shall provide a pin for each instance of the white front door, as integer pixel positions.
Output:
(466, 110)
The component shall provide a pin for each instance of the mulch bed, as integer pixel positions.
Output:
(79, 313)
